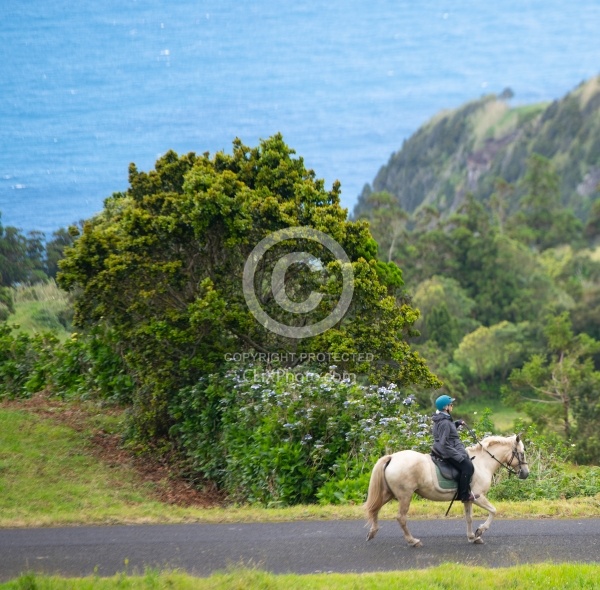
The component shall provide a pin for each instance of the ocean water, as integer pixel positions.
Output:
(87, 87)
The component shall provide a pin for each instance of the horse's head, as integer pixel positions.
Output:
(517, 460)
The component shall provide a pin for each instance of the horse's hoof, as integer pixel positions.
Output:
(370, 535)
(478, 541)
(417, 543)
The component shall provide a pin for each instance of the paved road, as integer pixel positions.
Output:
(302, 547)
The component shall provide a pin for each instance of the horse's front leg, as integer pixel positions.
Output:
(469, 518)
(484, 503)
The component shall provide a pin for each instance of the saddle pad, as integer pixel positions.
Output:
(444, 483)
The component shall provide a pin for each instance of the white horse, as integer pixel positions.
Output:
(407, 472)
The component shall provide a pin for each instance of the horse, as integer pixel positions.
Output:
(405, 473)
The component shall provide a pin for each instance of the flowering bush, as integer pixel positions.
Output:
(278, 437)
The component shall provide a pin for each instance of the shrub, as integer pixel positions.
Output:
(24, 361)
(87, 366)
(277, 437)
(82, 366)
(551, 475)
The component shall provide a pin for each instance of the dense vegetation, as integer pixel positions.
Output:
(509, 304)
(156, 280)
(507, 287)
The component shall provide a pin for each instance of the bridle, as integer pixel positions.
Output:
(516, 454)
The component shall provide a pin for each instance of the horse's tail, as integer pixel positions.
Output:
(379, 492)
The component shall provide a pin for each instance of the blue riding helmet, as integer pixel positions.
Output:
(443, 401)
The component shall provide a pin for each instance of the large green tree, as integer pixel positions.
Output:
(21, 256)
(446, 311)
(387, 220)
(55, 248)
(501, 275)
(492, 352)
(549, 384)
(162, 266)
(541, 221)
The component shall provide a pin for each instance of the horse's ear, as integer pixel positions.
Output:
(519, 436)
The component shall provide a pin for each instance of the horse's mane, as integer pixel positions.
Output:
(489, 441)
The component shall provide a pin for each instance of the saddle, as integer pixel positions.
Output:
(446, 470)
(447, 474)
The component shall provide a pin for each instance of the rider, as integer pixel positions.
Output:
(449, 447)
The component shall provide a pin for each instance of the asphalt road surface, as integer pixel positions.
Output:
(301, 547)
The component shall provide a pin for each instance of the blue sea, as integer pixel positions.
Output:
(87, 87)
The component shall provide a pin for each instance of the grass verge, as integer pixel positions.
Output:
(444, 577)
(50, 476)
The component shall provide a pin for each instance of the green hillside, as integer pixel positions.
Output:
(467, 149)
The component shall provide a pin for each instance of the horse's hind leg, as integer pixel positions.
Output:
(373, 514)
(404, 504)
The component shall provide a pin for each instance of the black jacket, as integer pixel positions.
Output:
(447, 443)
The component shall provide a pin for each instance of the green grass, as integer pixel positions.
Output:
(38, 308)
(503, 416)
(496, 121)
(445, 577)
(49, 477)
